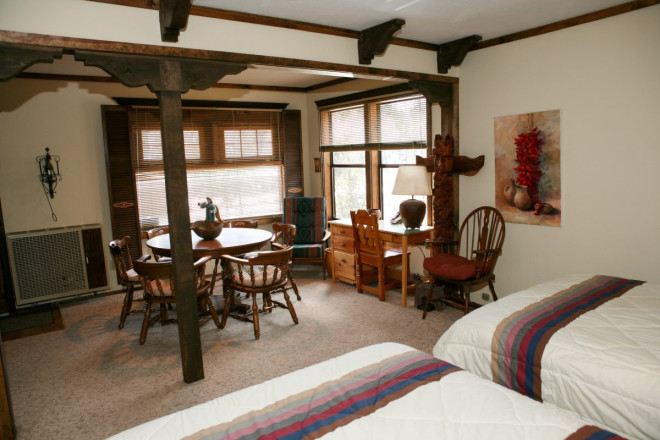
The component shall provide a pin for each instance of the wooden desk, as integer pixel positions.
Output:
(343, 253)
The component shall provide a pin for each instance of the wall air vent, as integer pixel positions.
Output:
(57, 263)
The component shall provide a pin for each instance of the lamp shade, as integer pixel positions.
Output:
(412, 180)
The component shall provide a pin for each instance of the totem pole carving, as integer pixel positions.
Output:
(445, 166)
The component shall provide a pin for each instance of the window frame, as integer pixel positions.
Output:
(373, 164)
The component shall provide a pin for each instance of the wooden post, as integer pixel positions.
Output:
(169, 78)
(176, 190)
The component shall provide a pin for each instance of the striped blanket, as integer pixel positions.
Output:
(315, 412)
(520, 339)
(385, 391)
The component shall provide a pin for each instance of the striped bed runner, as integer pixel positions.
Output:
(520, 339)
(315, 412)
(590, 432)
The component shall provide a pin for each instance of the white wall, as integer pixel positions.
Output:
(604, 78)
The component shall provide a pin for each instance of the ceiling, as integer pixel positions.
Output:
(428, 21)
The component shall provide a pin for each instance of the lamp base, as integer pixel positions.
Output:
(412, 213)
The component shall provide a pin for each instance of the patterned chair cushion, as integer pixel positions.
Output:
(307, 250)
(308, 214)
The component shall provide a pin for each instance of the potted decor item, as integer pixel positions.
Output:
(528, 156)
(207, 230)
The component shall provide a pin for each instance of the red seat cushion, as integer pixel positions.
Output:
(451, 266)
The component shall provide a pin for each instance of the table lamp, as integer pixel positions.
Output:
(412, 180)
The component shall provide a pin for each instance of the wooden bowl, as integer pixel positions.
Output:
(207, 230)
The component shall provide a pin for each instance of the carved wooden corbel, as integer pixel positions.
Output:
(374, 41)
(13, 60)
(173, 18)
(435, 93)
(454, 52)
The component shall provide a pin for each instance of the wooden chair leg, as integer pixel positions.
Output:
(466, 296)
(492, 290)
(381, 283)
(126, 306)
(358, 278)
(295, 286)
(212, 310)
(289, 306)
(229, 301)
(255, 316)
(145, 323)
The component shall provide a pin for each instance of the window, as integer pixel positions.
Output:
(364, 144)
(245, 160)
(233, 157)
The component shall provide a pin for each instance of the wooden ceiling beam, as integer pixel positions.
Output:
(69, 44)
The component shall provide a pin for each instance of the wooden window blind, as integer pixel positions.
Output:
(235, 157)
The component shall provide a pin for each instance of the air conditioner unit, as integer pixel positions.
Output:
(57, 263)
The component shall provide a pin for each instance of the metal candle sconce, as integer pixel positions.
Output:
(49, 175)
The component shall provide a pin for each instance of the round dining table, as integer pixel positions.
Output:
(231, 241)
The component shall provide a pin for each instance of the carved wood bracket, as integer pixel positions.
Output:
(173, 18)
(13, 60)
(454, 52)
(374, 41)
(434, 92)
(136, 71)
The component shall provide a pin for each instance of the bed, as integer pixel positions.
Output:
(586, 343)
(384, 391)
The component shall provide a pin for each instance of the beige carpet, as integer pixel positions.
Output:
(91, 380)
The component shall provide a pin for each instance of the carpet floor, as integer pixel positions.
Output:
(91, 380)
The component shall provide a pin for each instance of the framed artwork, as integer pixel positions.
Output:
(527, 168)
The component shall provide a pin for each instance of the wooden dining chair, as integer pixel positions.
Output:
(264, 274)
(156, 280)
(283, 237)
(126, 275)
(468, 262)
(369, 251)
(241, 224)
(155, 232)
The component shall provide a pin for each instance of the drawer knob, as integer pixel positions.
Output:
(342, 244)
(341, 231)
(342, 260)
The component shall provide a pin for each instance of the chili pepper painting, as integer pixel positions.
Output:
(527, 168)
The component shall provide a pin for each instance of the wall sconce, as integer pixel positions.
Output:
(48, 173)
(49, 176)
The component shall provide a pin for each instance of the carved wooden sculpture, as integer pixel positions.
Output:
(445, 166)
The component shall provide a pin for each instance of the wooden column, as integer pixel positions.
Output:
(169, 78)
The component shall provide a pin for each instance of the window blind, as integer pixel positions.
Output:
(232, 156)
(378, 124)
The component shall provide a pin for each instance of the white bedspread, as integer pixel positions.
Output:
(605, 365)
(459, 406)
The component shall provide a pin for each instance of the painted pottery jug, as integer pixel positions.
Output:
(509, 192)
(522, 200)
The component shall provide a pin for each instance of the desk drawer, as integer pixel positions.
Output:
(342, 243)
(344, 265)
(342, 230)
